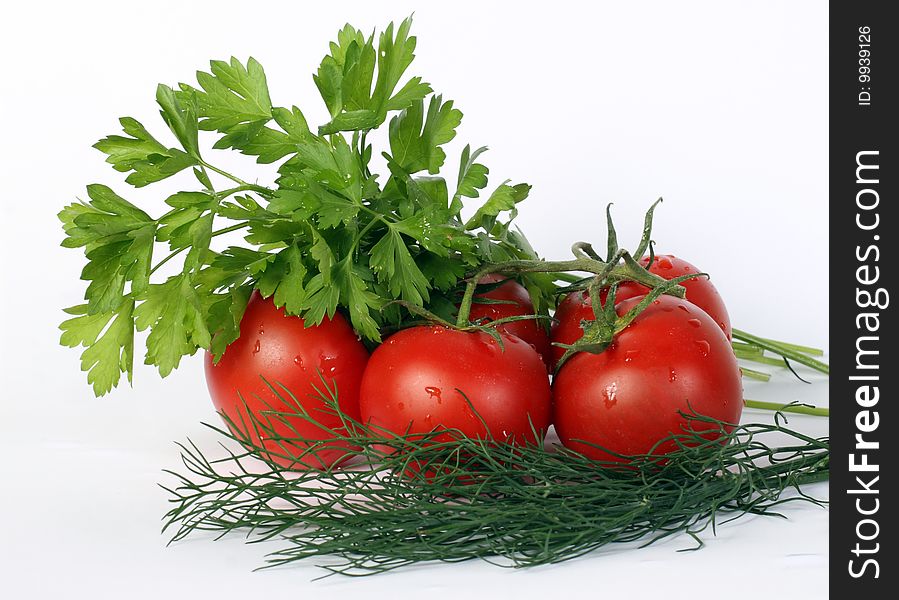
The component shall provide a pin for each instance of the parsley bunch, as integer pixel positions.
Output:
(328, 235)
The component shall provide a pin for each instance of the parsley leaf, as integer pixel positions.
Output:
(284, 279)
(345, 76)
(268, 144)
(223, 316)
(173, 313)
(180, 114)
(415, 140)
(232, 95)
(105, 356)
(147, 160)
(358, 298)
(503, 198)
(472, 177)
(392, 263)
(118, 241)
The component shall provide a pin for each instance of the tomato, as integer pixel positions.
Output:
(415, 383)
(673, 357)
(575, 307)
(531, 331)
(284, 351)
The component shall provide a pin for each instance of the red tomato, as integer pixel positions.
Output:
(415, 382)
(575, 307)
(532, 331)
(673, 357)
(283, 351)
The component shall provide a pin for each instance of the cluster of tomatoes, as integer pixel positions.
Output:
(673, 359)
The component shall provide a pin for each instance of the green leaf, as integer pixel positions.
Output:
(200, 234)
(105, 356)
(321, 299)
(224, 314)
(321, 253)
(414, 91)
(393, 264)
(235, 259)
(268, 144)
(345, 77)
(355, 120)
(287, 201)
(395, 54)
(330, 75)
(415, 140)
(472, 178)
(118, 241)
(284, 278)
(173, 312)
(356, 296)
(329, 176)
(442, 272)
(333, 165)
(181, 117)
(139, 152)
(232, 95)
(503, 198)
(178, 227)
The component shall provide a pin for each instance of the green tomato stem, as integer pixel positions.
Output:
(620, 272)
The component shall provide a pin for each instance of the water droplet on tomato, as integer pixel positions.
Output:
(672, 376)
(630, 355)
(703, 346)
(609, 394)
(261, 330)
(434, 392)
(400, 406)
(256, 347)
(665, 263)
(298, 361)
(505, 434)
(695, 322)
(683, 308)
(327, 364)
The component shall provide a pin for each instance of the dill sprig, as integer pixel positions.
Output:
(442, 496)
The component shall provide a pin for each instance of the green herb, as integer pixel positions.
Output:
(326, 235)
(446, 497)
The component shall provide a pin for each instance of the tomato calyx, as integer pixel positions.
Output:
(606, 274)
(600, 333)
(487, 326)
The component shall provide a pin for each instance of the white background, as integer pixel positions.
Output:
(721, 108)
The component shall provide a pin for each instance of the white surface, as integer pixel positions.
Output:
(717, 107)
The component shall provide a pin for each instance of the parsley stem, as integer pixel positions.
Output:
(365, 230)
(175, 253)
(241, 188)
(376, 214)
(240, 182)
